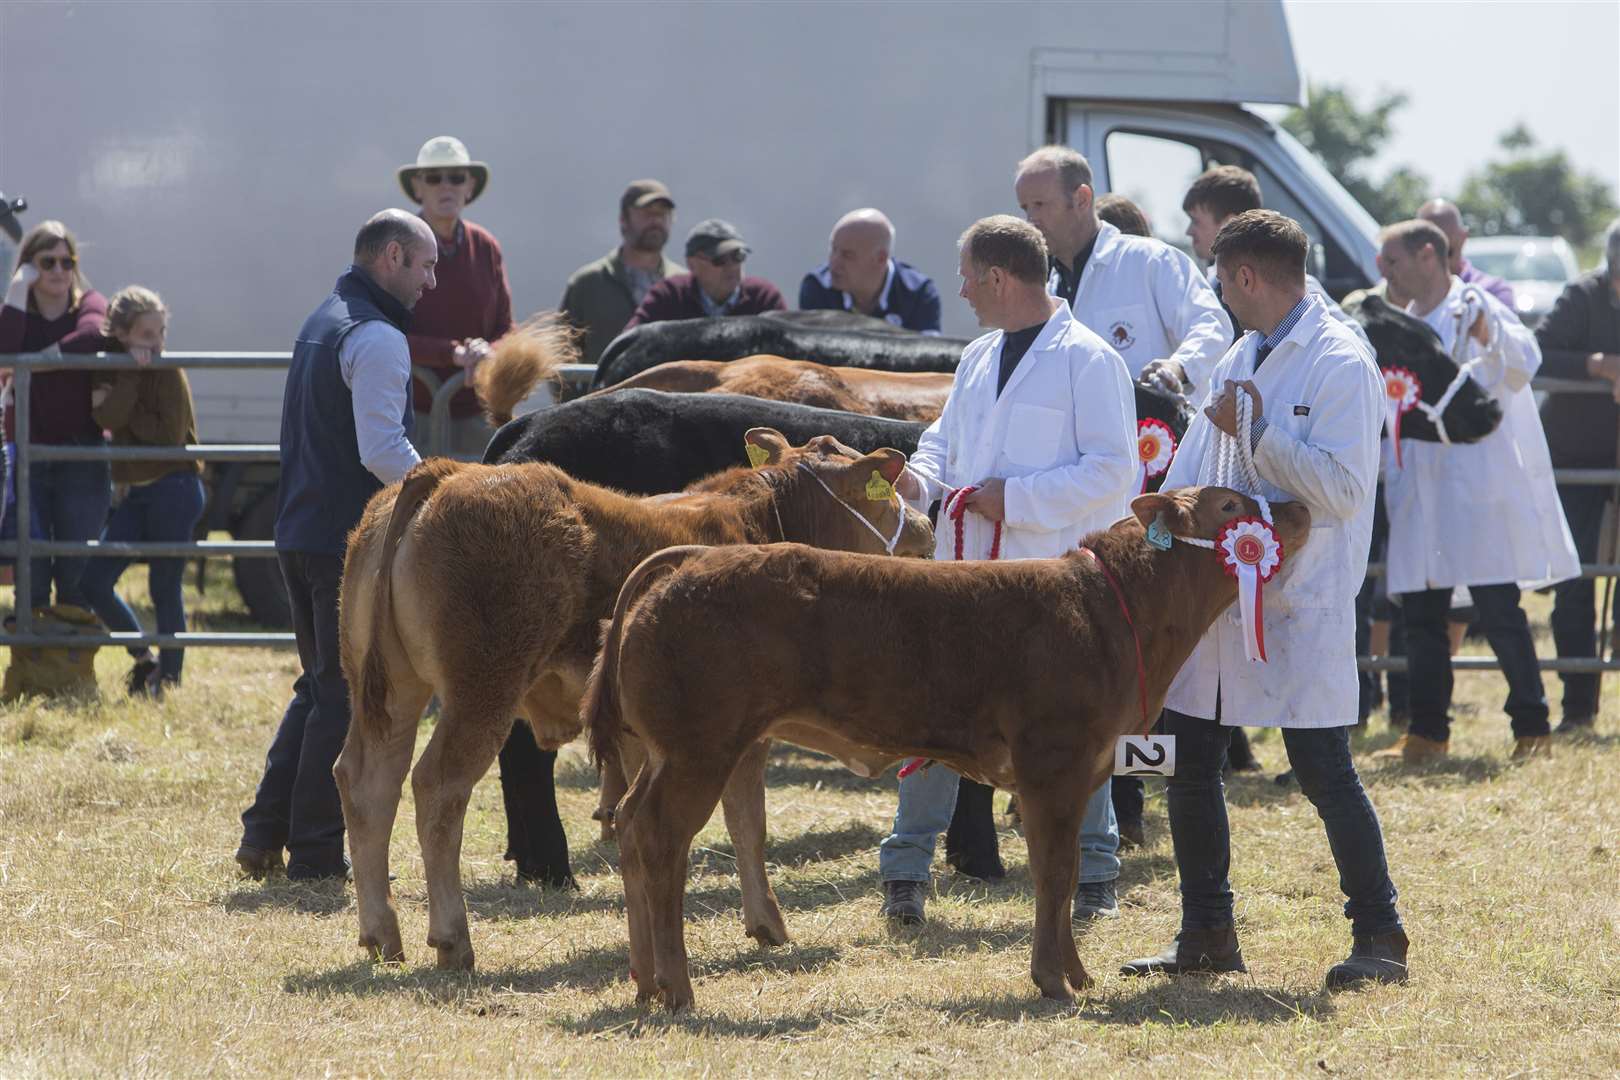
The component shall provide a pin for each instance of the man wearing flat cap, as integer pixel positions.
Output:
(602, 295)
(715, 285)
(455, 324)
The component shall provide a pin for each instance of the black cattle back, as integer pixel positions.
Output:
(648, 442)
(737, 336)
(1404, 341)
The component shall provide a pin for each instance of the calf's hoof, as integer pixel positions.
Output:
(976, 865)
(675, 997)
(384, 948)
(456, 956)
(604, 814)
(769, 933)
(1053, 985)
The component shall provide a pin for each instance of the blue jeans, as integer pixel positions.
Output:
(167, 509)
(69, 502)
(297, 805)
(927, 801)
(1320, 758)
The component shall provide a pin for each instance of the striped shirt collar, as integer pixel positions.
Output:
(1286, 327)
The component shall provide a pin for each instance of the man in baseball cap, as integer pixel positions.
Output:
(601, 295)
(715, 252)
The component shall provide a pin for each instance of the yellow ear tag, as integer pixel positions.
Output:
(879, 489)
(757, 455)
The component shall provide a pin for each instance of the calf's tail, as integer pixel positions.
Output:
(520, 361)
(599, 710)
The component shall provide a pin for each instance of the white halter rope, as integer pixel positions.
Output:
(1234, 464)
(1473, 304)
(890, 543)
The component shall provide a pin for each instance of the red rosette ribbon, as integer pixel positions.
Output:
(1402, 389)
(1251, 552)
(1155, 448)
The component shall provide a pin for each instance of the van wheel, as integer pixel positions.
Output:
(259, 579)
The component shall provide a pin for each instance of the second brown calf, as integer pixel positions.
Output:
(1019, 674)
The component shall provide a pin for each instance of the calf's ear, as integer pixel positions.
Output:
(765, 446)
(888, 463)
(1147, 507)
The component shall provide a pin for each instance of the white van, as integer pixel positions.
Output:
(225, 153)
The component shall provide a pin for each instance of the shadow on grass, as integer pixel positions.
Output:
(1192, 1001)
(633, 1021)
(594, 969)
(279, 894)
(497, 900)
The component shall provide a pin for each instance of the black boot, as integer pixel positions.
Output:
(971, 845)
(1373, 958)
(1193, 952)
(903, 902)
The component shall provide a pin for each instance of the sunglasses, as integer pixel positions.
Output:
(50, 262)
(726, 259)
(434, 179)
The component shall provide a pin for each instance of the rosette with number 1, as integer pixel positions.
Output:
(1251, 551)
(1402, 389)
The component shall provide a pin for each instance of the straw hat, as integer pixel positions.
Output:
(443, 153)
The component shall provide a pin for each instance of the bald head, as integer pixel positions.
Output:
(858, 256)
(1448, 219)
(400, 253)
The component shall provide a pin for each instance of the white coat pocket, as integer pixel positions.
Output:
(1034, 435)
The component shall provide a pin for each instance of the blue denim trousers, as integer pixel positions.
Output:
(1320, 758)
(69, 502)
(927, 801)
(166, 509)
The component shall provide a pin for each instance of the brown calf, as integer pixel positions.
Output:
(487, 585)
(899, 395)
(1018, 674)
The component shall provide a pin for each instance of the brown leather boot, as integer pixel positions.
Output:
(1373, 958)
(1526, 747)
(1415, 750)
(1193, 952)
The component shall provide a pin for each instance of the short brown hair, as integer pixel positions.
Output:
(129, 304)
(43, 237)
(1272, 244)
(1414, 234)
(1225, 191)
(1010, 243)
(1123, 215)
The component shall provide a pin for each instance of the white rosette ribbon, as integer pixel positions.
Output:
(1251, 551)
(1402, 389)
(1155, 447)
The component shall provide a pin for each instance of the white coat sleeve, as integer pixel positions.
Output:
(927, 463)
(1104, 432)
(1515, 355)
(1335, 471)
(376, 364)
(1192, 315)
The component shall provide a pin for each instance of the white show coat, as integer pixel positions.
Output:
(1062, 434)
(1484, 513)
(1149, 302)
(1323, 399)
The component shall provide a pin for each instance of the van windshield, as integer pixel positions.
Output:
(1328, 184)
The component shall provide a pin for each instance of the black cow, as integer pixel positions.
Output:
(648, 442)
(775, 334)
(1403, 341)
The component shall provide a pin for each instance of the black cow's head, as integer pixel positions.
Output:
(1403, 341)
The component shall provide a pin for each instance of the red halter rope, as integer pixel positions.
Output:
(1136, 639)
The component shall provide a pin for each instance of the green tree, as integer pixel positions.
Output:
(1535, 192)
(1345, 137)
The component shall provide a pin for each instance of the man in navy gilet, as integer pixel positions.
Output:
(345, 425)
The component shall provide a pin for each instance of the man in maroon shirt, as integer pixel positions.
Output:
(454, 325)
(714, 253)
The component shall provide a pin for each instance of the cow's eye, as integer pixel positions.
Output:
(1229, 507)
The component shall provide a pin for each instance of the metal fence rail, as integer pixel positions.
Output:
(575, 378)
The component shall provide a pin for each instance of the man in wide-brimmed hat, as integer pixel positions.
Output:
(601, 295)
(454, 325)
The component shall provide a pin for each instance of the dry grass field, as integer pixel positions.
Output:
(130, 946)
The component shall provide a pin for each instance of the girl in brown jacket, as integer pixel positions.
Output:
(164, 499)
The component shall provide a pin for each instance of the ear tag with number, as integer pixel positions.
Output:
(879, 489)
(757, 455)
(1158, 534)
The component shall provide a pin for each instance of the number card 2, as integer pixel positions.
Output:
(1145, 755)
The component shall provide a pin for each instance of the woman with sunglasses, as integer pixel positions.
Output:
(50, 303)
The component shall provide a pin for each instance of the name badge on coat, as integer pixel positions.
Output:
(1145, 755)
